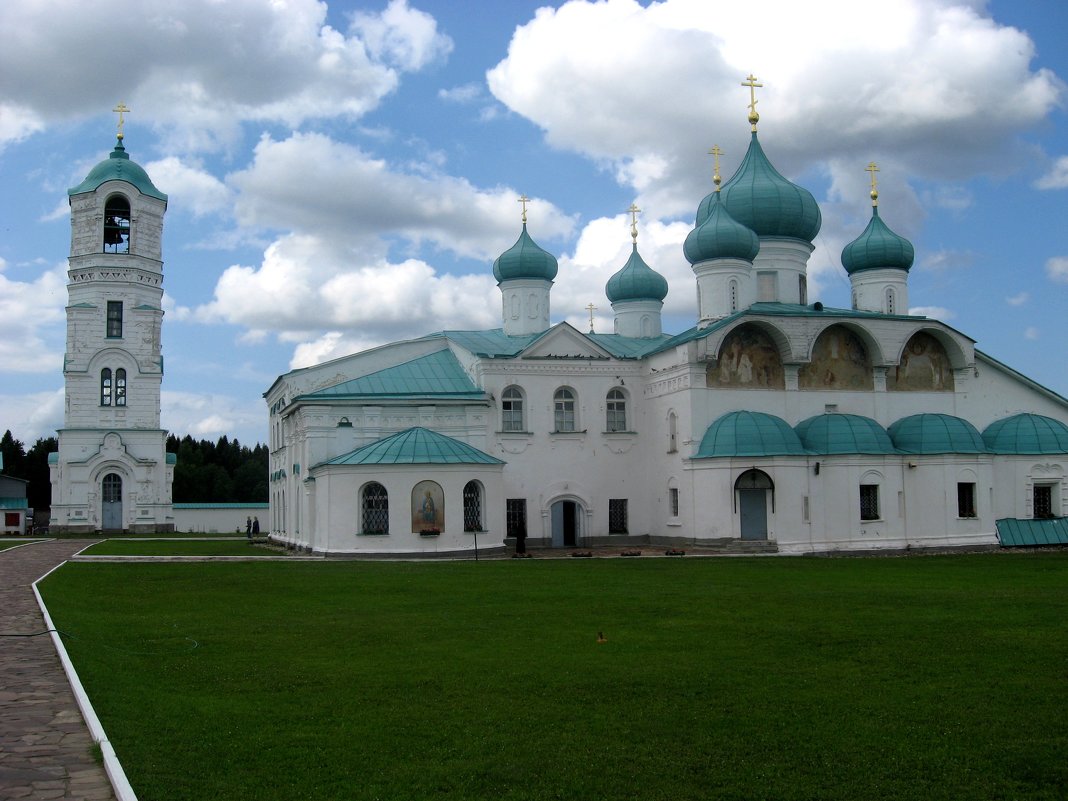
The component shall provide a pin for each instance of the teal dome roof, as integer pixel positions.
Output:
(720, 236)
(118, 167)
(763, 201)
(1027, 433)
(749, 434)
(936, 433)
(843, 433)
(878, 248)
(525, 259)
(636, 281)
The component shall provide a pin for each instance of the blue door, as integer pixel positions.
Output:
(112, 506)
(753, 508)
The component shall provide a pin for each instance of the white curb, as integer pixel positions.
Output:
(117, 776)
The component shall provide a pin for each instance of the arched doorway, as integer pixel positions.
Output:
(753, 489)
(566, 524)
(111, 512)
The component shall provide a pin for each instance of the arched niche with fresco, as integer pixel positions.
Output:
(839, 361)
(924, 367)
(748, 359)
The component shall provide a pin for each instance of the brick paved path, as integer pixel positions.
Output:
(44, 743)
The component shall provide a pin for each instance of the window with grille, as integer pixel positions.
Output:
(473, 506)
(734, 296)
(515, 513)
(512, 410)
(617, 516)
(564, 410)
(375, 509)
(112, 488)
(120, 387)
(616, 411)
(117, 225)
(1043, 501)
(673, 498)
(890, 303)
(105, 387)
(966, 500)
(114, 329)
(869, 501)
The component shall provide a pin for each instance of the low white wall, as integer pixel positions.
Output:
(218, 518)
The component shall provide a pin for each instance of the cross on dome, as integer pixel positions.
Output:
(634, 212)
(751, 82)
(874, 187)
(716, 152)
(121, 109)
(524, 200)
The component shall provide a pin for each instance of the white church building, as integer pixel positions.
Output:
(773, 423)
(112, 471)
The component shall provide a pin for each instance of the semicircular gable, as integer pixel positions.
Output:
(923, 366)
(839, 361)
(956, 351)
(748, 358)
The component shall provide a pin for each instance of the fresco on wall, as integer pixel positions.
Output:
(428, 508)
(839, 361)
(748, 359)
(924, 367)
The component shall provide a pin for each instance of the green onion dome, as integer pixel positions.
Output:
(636, 281)
(763, 201)
(878, 248)
(749, 434)
(1027, 433)
(843, 433)
(720, 236)
(118, 167)
(936, 433)
(525, 259)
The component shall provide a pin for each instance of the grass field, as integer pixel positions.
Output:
(139, 547)
(940, 677)
(11, 542)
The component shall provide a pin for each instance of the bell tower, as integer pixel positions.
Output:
(112, 472)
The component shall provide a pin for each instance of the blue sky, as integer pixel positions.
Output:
(343, 174)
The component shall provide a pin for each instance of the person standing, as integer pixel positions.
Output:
(248, 527)
(255, 527)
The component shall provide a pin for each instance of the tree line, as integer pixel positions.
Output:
(224, 471)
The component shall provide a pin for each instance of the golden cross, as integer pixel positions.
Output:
(751, 82)
(715, 152)
(591, 308)
(121, 108)
(874, 189)
(634, 212)
(524, 200)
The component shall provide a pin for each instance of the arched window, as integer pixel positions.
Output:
(512, 410)
(374, 507)
(890, 301)
(615, 411)
(105, 387)
(473, 506)
(564, 410)
(734, 296)
(673, 432)
(117, 225)
(120, 387)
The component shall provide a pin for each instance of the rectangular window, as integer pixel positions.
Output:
(802, 289)
(515, 513)
(617, 515)
(1043, 501)
(114, 318)
(11, 519)
(966, 500)
(673, 497)
(766, 287)
(512, 415)
(869, 501)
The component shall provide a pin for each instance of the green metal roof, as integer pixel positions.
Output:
(749, 434)
(761, 199)
(936, 433)
(118, 167)
(636, 280)
(414, 446)
(525, 259)
(720, 236)
(13, 503)
(878, 248)
(436, 374)
(1033, 532)
(492, 343)
(1026, 433)
(843, 433)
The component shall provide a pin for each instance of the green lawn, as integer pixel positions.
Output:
(941, 677)
(11, 542)
(138, 547)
